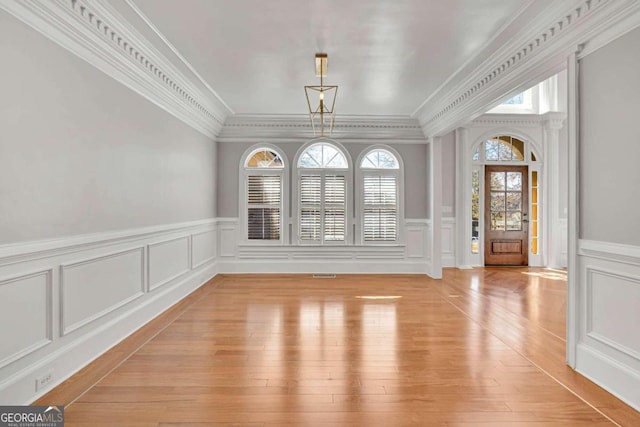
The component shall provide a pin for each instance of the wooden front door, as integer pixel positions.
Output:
(506, 224)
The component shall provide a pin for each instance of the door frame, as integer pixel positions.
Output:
(468, 165)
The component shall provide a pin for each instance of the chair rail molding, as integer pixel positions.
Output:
(539, 49)
(98, 34)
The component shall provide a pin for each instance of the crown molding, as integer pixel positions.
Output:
(97, 33)
(297, 128)
(539, 50)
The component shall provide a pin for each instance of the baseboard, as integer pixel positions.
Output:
(323, 266)
(608, 373)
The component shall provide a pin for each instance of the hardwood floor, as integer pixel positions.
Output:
(482, 347)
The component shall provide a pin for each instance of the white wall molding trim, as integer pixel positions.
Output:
(538, 50)
(67, 360)
(105, 286)
(616, 378)
(41, 333)
(234, 256)
(615, 252)
(553, 118)
(603, 279)
(168, 260)
(74, 281)
(297, 128)
(448, 226)
(608, 350)
(321, 267)
(97, 33)
(203, 247)
(18, 252)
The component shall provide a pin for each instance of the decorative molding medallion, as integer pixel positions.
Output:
(540, 49)
(93, 30)
(297, 128)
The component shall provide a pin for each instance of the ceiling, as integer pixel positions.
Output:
(386, 56)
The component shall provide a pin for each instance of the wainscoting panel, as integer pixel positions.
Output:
(608, 350)
(229, 234)
(203, 248)
(30, 308)
(168, 260)
(564, 240)
(416, 238)
(73, 298)
(613, 300)
(448, 242)
(97, 286)
(238, 257)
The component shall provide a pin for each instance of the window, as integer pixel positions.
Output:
(534, 212)
(475, 211)
(379, 172)
(516, 100)
(322, 194)
(522, 103)
(504, 149)
(263, 175)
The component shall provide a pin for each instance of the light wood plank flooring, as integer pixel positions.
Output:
(482, 347)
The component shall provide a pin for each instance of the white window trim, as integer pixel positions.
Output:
(399, 174)
(284, 202)
(347, 173)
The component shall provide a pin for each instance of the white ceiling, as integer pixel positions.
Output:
(387, 56)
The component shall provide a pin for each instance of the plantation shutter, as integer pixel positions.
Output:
(334, 208)
(380, 207)
(310, 207)
(264, 207)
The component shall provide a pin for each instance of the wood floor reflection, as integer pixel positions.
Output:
(480, 347)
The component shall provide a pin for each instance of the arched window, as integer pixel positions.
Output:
(263, 176)
(322, 193)
(504, 148)
(379, 180)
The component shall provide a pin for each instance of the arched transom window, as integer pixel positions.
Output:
(263, 204)
(504, 148)
(264, 158)
(322, 194)
(322, 155)
(379, 159)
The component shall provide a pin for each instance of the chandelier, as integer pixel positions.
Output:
(321, 100)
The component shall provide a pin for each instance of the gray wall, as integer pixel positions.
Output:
(413, 156)
(609, 143)
(81, 153)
